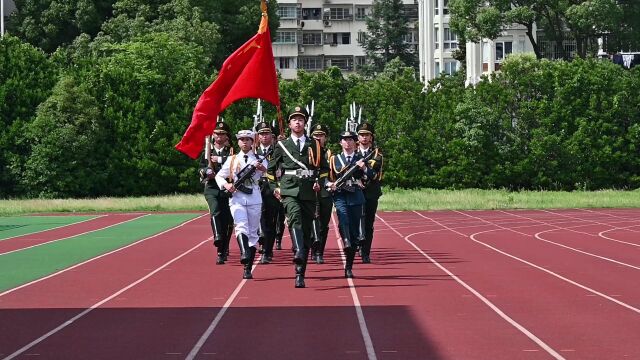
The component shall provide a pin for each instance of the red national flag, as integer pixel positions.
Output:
(248, 73)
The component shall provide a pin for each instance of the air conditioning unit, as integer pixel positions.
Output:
(301, 49)
(327, 23)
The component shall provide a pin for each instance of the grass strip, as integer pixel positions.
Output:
(12, 226)
(24, 266)
(393, 199)
(475, 199)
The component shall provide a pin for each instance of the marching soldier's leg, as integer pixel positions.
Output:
(267, 225)
(252, 213)
(370, 209)
(355, 233)
(294, 214)
(227, 225)
(279, 226)
(326, 205)
(218, 224)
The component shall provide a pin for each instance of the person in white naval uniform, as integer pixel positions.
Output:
(246, 200)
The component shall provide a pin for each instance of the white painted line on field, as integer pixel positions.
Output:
(72, 236)
(207, 333)
(364, 330)
(472, 237)
(486, 301)
(98, 257)
(601, 234)
(53, 228)
(537, 236)
(103, 301)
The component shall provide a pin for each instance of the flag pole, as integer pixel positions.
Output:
(1, 18)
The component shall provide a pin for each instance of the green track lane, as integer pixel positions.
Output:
(27, 265)
(12, 226)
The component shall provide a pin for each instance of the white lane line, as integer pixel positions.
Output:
(537, 236)
(98, 257)
(583, 220)
(601, 234)
(472, 237)
(103, 301)
(53, 228)
(364, 330)
(72, 236)
(486, 301)
(207, 333)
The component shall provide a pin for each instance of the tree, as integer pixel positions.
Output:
(68, 147)
(26, 80)
(387, 28)
(581, 20)
(49, 24)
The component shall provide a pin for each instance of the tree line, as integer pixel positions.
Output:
(96, 111)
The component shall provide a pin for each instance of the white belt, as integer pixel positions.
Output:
(300, 173)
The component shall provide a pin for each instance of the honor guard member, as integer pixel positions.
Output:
(301, 160)
(347, 196)
(321, 132)
(218, 202)
(372, 187)
(246, 199)
(270, 205)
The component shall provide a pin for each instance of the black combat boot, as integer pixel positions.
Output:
(346, 238)
(245, 252)
(218, 231)
(299, 276)
(249, 264)
(297, 238)
(351, 255)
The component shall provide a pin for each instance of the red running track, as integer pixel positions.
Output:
(442, 285)
(38, 238)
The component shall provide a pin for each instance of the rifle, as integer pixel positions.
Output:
(245, 174)
(316, 224)
(207, 154)
(351, 169)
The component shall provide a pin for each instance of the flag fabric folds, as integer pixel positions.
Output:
(248, 73)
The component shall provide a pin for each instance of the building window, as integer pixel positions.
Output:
(437, 40)
(311, 14)
(361, 36)
(285, 37)
(411, 12)
(450, 39)
(285, 63)
(503, 48)
(344, 63)
(360, 61)
(437, 69)
(337, 13)
(411, 37)
(334, 39)
(361, 13)
(445, 7)
(312, 38)
(450, 67)
(288, 12)
(310, 63)
(436, 11)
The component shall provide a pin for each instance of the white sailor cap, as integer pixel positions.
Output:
(245, 134)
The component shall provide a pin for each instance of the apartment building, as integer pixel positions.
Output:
(437, 43)
(316, 34)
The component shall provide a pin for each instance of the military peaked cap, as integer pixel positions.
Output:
(263, 127)
(299, 110)
(365, 128)
(348, 135)
(222, 128)
(320, 129)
